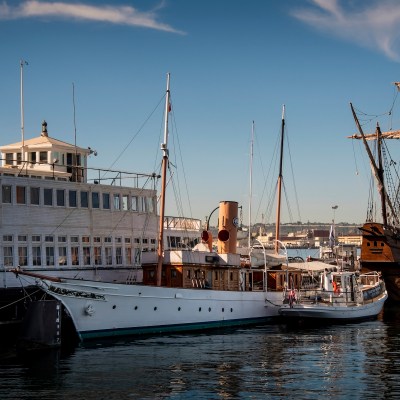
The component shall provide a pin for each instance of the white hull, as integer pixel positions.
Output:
(330, 312)
(101, 310)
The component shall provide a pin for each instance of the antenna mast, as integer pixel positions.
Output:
(22, 63)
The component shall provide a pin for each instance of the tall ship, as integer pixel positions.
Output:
(380, 247)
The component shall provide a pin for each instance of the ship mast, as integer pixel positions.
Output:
(376, 169)
(164, 148)
(280, 177)
(251, 180)
(22, 63)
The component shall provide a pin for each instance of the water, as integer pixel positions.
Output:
(358, 361)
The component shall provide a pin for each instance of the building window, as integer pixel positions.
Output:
(62, 239)
(8, 256)
(107, 239)
(19, 158)
(85, 239)
(97, 239)
(72, 198)
(21, 194)
(106, 201)
(117, 205)
(95, 200)
(49, 238)
(22, 255)
(35, 196)
(32, 157)
(48, 197)
(36, 255)
(36, 238)
(49, 255)
(84, 200)
(6, 193)
(60, 197)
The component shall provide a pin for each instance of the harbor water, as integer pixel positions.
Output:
(358, 361)
(273, 361)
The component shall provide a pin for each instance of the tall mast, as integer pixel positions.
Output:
(164, 148)
(22, 63)
(278, 207)
(251, 179)
(377, 170)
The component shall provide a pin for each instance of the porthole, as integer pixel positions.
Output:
(135, 307)
(199, 309)
(155, 308)
(209, 309)
(179, 309)
(223, 310)
(231, 309)
(114, 307)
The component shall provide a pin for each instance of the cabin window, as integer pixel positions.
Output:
(117, 204)
(150, 202)
(97, 255)
(84, 199)
(36, 255)
(137, 256)
(153, 241)
(22, 255)
(95, 200)
(106, 201)
(108, 255)
(231, 276)
(137, 240)
(9, 158)
(375, 243)
(8, 256)
(143, 204)
(62, 255)
(216, 275)
(48, 197)
(151, 274)
(32, 157)
(86, 255)
(188, 273)
(60, 197)
(173, 273)
(56, 157)
(128, 255)
(21, 194)
(134, 203)
(6, 193)
(382, 244)
(43, 157)
(75, 255)
(145, 240)
(118, 239)
(35, 196)
(118, 255)
(72, 198)
(125, 203)
(49, 255)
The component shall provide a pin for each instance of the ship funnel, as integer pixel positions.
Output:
(227, 227)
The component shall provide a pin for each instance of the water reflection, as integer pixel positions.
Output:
(272, 361)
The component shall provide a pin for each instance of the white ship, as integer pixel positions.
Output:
(181, 290)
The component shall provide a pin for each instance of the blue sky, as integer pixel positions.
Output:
(231, 63)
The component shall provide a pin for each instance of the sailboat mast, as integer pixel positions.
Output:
(164, 148)
(278, 207)
(251, 179)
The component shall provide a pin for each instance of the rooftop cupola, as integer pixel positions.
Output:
(44, 129)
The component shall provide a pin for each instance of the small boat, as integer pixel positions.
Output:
(341, 296)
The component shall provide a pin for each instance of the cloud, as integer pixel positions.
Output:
(369, 23)
(119, 15)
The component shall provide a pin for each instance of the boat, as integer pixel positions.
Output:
(380, 246)
(341, 297)
(182, 289)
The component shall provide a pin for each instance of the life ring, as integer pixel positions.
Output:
(336, 289)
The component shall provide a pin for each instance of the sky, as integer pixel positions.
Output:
(231, 63)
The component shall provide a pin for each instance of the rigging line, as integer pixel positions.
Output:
(396, 92)
(137, 133)
(287, 203)
(354, 155)
(293, 179)
(181, 160)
